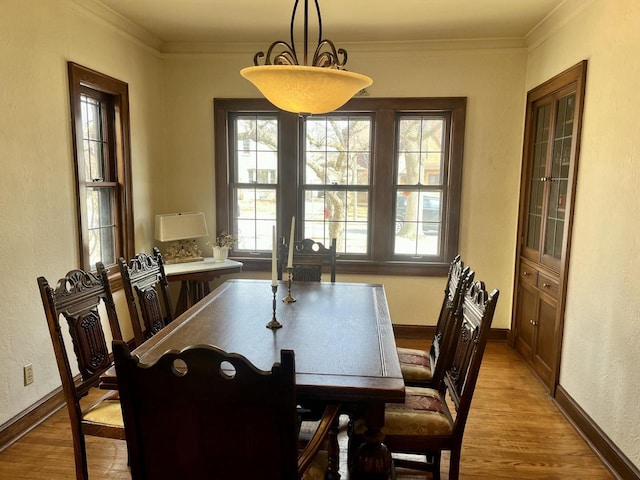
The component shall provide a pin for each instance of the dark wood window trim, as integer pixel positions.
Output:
(384, 111)
(116, 96)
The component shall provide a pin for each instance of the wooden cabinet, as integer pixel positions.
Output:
(549, 170)
(535, 324)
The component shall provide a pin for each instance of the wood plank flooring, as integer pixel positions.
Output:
(514, 432)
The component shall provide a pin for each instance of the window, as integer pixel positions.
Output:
(382, 176)
(100, 129)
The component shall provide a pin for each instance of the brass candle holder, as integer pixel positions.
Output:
(274, 324)
(289, 298)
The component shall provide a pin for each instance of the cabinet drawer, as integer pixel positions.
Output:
(528, 274)
(548, 285)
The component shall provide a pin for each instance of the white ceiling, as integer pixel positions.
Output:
(264, 21)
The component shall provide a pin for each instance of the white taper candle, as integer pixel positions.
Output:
(274, 257)
(291, 237)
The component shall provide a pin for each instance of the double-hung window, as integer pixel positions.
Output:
(100, 128)
(381, 176)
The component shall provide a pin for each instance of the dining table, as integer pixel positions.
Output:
(341, 335)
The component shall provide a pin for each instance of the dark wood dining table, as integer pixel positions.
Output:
(341, 334)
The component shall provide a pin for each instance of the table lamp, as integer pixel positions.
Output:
(181, 229)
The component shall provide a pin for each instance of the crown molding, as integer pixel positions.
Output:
(380, 47)
(119, 23)
(555, 21)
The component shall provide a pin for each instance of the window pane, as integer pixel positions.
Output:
(101, 225)
(257, 149)
(420, 150)
(93, 138)
(337, 150)
(339, 214)
(418, 222)
(255, 213)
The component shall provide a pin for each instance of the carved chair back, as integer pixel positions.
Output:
(203, 413)
(426, 424)
(76, 298)
(144, 282)
(459, 278)
(309, 258)
(472, 331)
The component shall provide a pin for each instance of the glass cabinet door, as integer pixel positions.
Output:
(550, 151)
(558, 179)
(536, 179)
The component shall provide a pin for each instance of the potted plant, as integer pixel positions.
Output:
(224, 243)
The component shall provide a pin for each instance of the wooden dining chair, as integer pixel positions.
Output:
(144, 282)
(425, 368)
(425, 424)
(309, 260)
(203, 413)
(76, 298)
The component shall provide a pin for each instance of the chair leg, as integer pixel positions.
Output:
(333, 452)
(454, 464)
(80, 457)
(435, 458)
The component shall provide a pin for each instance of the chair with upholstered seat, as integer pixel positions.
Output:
(144, 282)
(425, 368)
(424, 424)
(309, 260)
(77, 297)
(203, 413)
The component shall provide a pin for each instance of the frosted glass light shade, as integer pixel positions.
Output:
(180, 226)
(304, 89)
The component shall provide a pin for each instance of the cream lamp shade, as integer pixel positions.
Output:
(304, 89)
(318, 84)
(180, 226)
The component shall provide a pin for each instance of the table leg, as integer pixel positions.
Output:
(183, 298)
(191, 292)
(371, 458)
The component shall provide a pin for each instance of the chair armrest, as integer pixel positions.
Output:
(328, 419)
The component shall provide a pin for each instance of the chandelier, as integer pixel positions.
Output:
(320, 87)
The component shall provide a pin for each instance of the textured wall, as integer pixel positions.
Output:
(37, 192)
(600, 363)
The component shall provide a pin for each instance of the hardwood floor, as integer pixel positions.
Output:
(514, 432)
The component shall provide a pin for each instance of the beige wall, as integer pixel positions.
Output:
(491, 78)
(37, 193)
(173, 170)
(600, 361)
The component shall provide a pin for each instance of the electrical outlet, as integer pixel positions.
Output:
(28, 374)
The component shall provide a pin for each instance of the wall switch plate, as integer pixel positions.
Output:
(28, 374)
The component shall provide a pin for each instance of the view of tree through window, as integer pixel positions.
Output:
(381, 176)
(337, 157)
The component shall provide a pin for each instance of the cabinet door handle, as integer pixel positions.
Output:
(546, 285)
(544, 179)
(526, 274)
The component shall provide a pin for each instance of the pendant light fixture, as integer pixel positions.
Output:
(319, 87)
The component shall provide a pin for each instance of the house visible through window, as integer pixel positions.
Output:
(382, 176)
(100, 125)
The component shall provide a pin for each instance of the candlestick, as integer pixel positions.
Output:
(289, 298)
(274, 324)
(291, 238)
(274, 256)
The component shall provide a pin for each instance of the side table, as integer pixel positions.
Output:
(195, 278)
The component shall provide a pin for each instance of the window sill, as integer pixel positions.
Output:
(252, 264)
